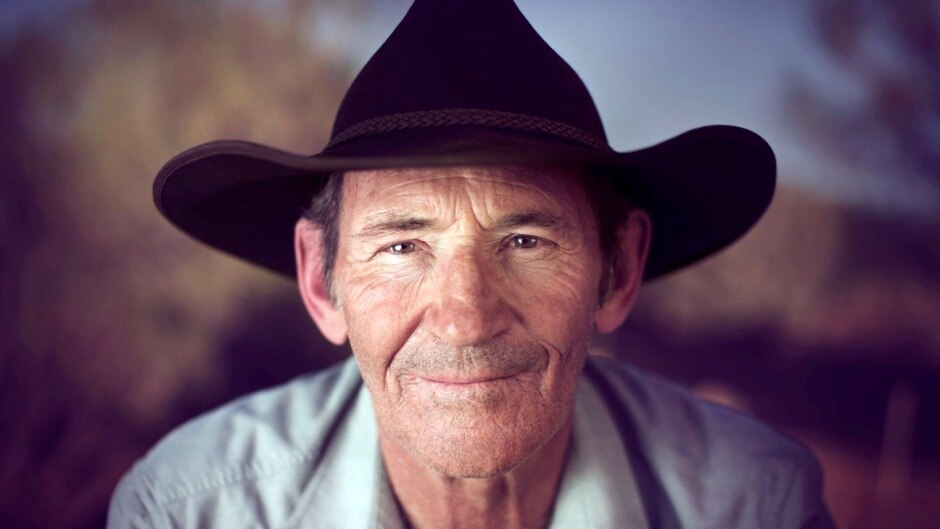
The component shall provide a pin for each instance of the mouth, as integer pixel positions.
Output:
(464, 381)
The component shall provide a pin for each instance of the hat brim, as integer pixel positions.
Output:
(702, 189)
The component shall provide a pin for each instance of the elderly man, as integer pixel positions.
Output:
(466, 230)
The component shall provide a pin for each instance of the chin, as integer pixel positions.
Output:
(484, 449)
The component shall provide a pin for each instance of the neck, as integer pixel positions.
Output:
(520, 498)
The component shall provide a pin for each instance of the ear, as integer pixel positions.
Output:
(308, 251)
(633, 241)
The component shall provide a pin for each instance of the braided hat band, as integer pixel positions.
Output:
(467, 116)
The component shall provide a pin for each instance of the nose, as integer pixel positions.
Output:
(468, 308)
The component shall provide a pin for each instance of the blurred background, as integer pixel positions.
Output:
(114, 328)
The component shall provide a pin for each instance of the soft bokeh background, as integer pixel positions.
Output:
(824, 320)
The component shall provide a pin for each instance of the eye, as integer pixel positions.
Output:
(524, 241)
(400, 248)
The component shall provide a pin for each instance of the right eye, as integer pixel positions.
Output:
(401, 248)
(524, 241)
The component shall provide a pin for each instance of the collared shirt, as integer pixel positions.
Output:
(306, 455)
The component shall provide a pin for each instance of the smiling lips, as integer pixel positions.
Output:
(464, 380)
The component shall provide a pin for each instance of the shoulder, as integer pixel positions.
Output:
(670, 413)
(715, 463)
(260, 444)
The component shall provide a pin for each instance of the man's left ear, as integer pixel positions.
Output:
(633, 242)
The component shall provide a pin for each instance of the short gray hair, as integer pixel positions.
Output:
(324, 212)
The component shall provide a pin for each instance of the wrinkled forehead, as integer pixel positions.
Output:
(485, 190)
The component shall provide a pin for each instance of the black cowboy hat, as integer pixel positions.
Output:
(470, 82)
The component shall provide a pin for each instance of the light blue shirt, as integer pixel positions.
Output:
(306, 455)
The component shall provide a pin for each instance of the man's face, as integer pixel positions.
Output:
(469, 296)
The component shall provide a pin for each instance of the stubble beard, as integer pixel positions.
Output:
(479, 432)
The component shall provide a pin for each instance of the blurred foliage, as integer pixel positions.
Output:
(891, 52)
(127, 85)
(819, 275)
(110, 316)
(833, 276)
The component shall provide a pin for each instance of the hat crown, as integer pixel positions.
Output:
(468, 54)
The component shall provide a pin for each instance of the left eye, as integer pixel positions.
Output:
(524, 241)
(400, 248)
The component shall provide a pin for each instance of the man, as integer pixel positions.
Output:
(469, 229)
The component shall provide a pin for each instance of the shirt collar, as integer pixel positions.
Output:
(597, 488)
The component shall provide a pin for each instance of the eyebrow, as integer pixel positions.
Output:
(538, 219)
(392, 222)
(388, 222)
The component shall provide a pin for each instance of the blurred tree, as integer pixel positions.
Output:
(888, 281)
(113, 322)
(835, 275)
(891, 51)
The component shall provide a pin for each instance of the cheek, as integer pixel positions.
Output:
(381, 312)
(555, 301)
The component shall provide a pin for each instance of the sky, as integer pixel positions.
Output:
(659, 68)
